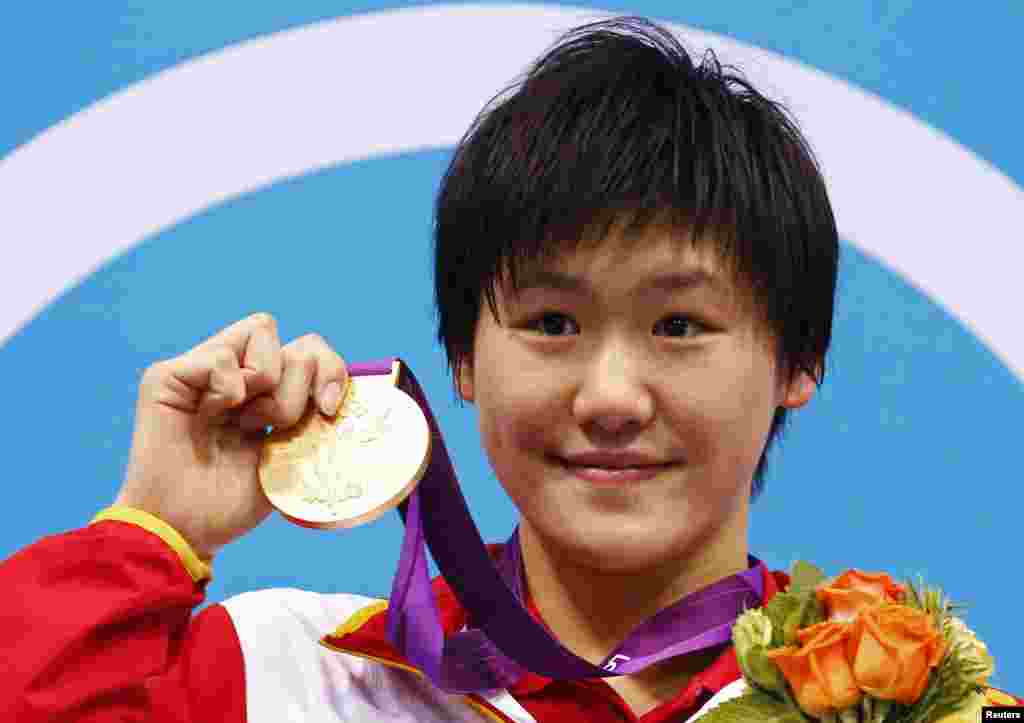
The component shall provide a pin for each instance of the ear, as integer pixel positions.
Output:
(464, 380)
(799, 391)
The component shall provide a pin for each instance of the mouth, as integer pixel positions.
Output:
(613, 475)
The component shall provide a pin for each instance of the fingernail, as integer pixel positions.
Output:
(330, 399)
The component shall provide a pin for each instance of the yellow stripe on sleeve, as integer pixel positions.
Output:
(197, 568)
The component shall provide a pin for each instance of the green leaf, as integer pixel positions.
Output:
(804, 577)
(753, 707)
(790, 627)
(797, 607)
(913, 598)
(795, 619)
(897, 713)
(763, 670)
(929, 599)
(815, 613)
(779, 610)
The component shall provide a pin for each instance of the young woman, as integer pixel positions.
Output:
(635, 274)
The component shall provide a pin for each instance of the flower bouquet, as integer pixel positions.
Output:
(857, 648)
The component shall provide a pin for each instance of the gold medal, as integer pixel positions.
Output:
(347, 470)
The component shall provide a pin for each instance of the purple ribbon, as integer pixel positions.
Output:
(505, 641)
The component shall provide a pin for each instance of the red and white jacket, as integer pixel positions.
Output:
(98, 626)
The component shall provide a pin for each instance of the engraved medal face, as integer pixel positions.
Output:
(348, 470)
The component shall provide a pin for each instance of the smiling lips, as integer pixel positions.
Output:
(614, 467)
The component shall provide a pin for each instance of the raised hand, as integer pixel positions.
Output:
(201, 418)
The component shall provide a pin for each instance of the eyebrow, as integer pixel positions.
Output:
(662, 284)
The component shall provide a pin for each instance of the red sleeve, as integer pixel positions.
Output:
(96, 626)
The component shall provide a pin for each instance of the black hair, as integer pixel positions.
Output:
(617, 125)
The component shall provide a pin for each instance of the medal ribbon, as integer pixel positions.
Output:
(506, 641)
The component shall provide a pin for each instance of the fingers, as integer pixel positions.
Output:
(208, 382)
(225, 386)
(262, 355)
(245, 369)
(251, 343)
(310, 368)
(257, 347)
(226, 370)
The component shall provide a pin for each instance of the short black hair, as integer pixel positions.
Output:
(617, 124)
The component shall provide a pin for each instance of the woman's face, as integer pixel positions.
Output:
(620, 350)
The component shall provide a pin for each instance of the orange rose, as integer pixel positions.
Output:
(893, 649)
(818, 671)
(854, 591)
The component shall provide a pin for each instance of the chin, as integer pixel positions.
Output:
(618, 548)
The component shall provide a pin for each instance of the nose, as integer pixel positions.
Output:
(613, 395)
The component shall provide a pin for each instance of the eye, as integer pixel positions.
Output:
(549, 323)
(679, 325)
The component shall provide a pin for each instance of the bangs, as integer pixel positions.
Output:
(615, 132)
(627, 230)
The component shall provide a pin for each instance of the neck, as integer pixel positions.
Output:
(592, 611)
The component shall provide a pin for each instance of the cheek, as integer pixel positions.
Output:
(514, 427)
(514, 445)
(724, 410)
(514, 417)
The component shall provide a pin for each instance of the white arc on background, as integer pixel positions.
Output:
(357, 87)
